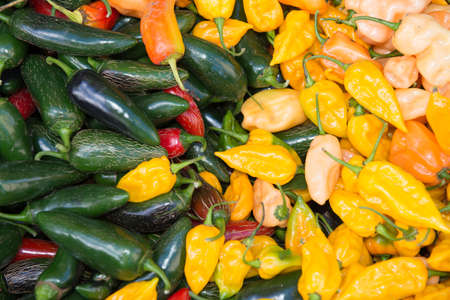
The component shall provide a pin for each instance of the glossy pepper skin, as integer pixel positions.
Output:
(332, 105)
(161, 35)
(391, 279)
(271, 163)
(44, 8)
(440, 255)
(292, 70)
(321, 172)
(438, 111)
(215, 9)
(191, 120)
(435, 291)
(273, 260)
(211, 179)
(295, 35)
(347, 245)
(233, 31)
(362, 132)
(264, 15)
(413, 102)
(302, 225)
(310, 5)
(346, 205)
(137, 290)
(401, 71)
(411, 248)
(278, 110)
(176, 141)
(132, 8)
(230, 262)
(367, 84)
(23, 101)
(349, 178)
(395, 192)
(35, 248)
(243, 229)
(321, 276)
(240, 191)
(418, 152)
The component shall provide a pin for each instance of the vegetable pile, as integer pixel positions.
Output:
(234, 149)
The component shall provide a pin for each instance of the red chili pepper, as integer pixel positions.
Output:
(35, 248)
(191, 120)
(243, 229)
(23, 101)
(95, 14)
(44, 8)
(161, 35)
(176, 141)
(181, 294)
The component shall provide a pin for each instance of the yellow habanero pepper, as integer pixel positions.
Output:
(362, 132)
(349, 178)
(203, 245)
(239, 191)
(151, 178)
(273, 260)
(292, 70)
(231, 269)
(264, 15)
(295, 35)
(424, 237)
(233, 31)
(395, 278)
(378, 245)
(333, 104)
(346, 205)
(260, 242)
(273, 110)
(365, 82)
(211, 179)
(349, 274)
(218, 11)
(142, 290)
(271, 163)
(331, 27)
(347, 245)
(321, 276)
(439, 259)
(310, 5)
(438, 114)
(434, 292)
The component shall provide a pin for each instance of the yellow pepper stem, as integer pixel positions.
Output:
(220, 23)
(74, 16)
(175, 168)
(352, 21)
(377, 143)
(316, 30)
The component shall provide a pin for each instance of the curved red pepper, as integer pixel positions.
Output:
(181, 294)
(176, 141)
(191, 120)
(44, 8)
(243, 229)
(35, 248)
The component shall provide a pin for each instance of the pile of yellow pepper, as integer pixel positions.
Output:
(382, 159)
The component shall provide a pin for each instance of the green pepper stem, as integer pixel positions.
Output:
(175, 168)
(344, 66)
(24, 216)
(439, 185)
(248, 242)
(187, 139)
(196, 297)
(151, 266)
(394, 53)
(209, 217)
(385, 233)
(173, 66)
(309, 82)
(321, 218)
(74, 16)
(300, 170)
(63, 156)
(183, 180)
(200, 168)
(219, 24)
(95, 64)
(438, 273)
(191, 7)
(281, 211)
(359, 110)
(314, 296)
(68, 70)
(377, 143)
(220, 223)
(65, 135)
(269, 77)
(108, 8)
(319, 122)
(5, 18)
(270, 35)
(254, 100)
(444, 174)
(241, 137)
(352, 21)
(353, 168)
(21, 226)
(445, 209)
(316, 30)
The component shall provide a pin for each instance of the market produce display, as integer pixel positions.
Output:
(232, 149)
